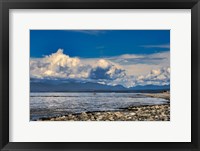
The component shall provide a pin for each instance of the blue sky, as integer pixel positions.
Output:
(98, 43)
(113, 57)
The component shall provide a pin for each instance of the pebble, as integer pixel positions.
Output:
(132, 114)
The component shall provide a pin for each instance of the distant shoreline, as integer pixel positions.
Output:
(124, 91)
(133, 113)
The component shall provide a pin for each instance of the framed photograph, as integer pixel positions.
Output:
(99, 75)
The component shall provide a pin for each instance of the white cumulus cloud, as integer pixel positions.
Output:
(106, 70)
(155, 77)
(58, 65)
(131, 70)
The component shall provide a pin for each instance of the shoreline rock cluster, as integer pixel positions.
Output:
(143, 113)
(140, 113)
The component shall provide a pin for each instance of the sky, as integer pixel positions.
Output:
(113, 57)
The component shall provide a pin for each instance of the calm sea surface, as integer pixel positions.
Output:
(55, 104)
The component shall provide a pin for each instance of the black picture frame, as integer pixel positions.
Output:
(5, 5)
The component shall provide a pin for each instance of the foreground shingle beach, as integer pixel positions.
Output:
(140, 113)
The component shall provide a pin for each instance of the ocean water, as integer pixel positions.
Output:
(57, 104)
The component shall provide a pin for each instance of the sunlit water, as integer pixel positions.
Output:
(56, 104)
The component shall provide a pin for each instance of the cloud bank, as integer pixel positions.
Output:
(157, 46)
(126, 70)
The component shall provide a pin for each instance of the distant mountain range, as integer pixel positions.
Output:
(52, 86)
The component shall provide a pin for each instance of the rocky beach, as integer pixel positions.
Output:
(132, 113)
